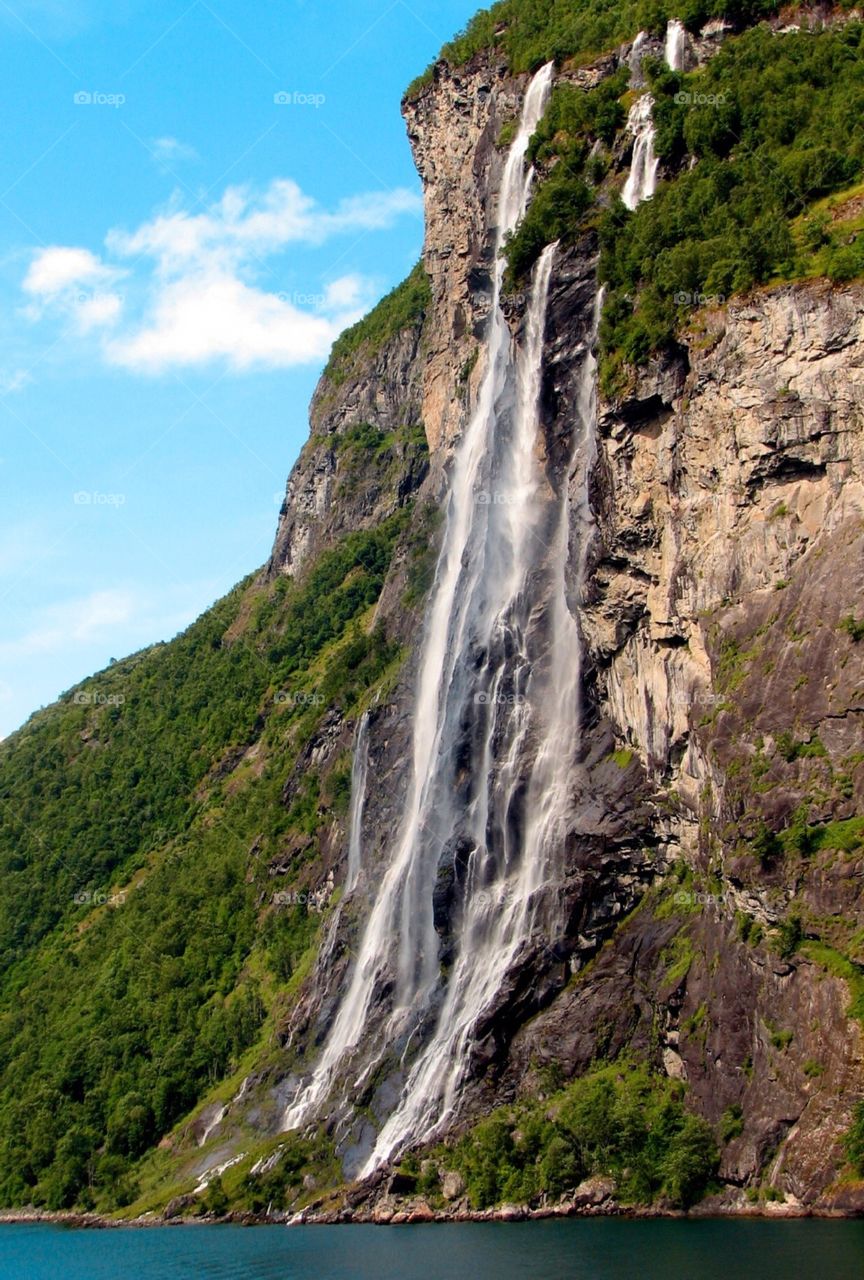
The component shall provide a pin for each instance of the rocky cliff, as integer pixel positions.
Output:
(711, 900)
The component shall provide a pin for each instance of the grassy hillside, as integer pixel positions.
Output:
(142, 949)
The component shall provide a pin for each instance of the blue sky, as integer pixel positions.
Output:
(194, 199)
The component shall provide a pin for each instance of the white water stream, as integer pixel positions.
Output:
(359, 770)
(676, 38)
(642, 178)
(495, 729)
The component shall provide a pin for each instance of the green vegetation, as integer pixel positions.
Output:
(732, 1123)
(678, 957)
(840, 966)
(618, 1120)
(280, 1184)
(853, 627)
(531, 32)
(790, 935)
(781, 1038)
(403, 307)
(144, 951)
(804, 838)
(791, 749)
(574, 119)
(855, 1141)
(771, 123)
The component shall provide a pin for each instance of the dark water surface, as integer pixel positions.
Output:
(581, 1249)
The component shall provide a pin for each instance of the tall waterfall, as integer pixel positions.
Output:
(495, 728)
(676, 38)
(642, 178)
(359, 769)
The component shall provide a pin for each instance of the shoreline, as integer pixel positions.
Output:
(421, 1214)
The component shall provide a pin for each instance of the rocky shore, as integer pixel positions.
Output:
(593, 1198)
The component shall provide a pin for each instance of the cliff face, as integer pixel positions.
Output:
(728, 552)
(710, 902)
(329, 492)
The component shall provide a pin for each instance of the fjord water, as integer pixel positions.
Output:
(587, 1249)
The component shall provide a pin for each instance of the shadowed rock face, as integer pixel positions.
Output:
(728, 503)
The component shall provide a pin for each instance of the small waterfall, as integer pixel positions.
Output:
(485, 683)
(635, 60)
(642, 178)
(359, 769)
(676, 45)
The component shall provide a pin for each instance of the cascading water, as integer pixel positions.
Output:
(635, 59)
(495, 728)
(676, 38)
(642, 178)
(359, 769)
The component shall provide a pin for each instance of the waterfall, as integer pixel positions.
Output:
(359, 769)
(635, 60)
(676, 38)
(642, 178)
(494, 730)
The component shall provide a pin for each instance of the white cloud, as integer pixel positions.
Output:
(76, 284)
(345, 293)
(171, 151)
(244, 223)
(57, 268)
(201, 299)
(97, 310)
(208, 316)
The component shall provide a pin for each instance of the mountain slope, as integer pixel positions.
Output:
(160, 826)
(175, 933)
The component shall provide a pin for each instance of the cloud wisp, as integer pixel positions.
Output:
(192, 282)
